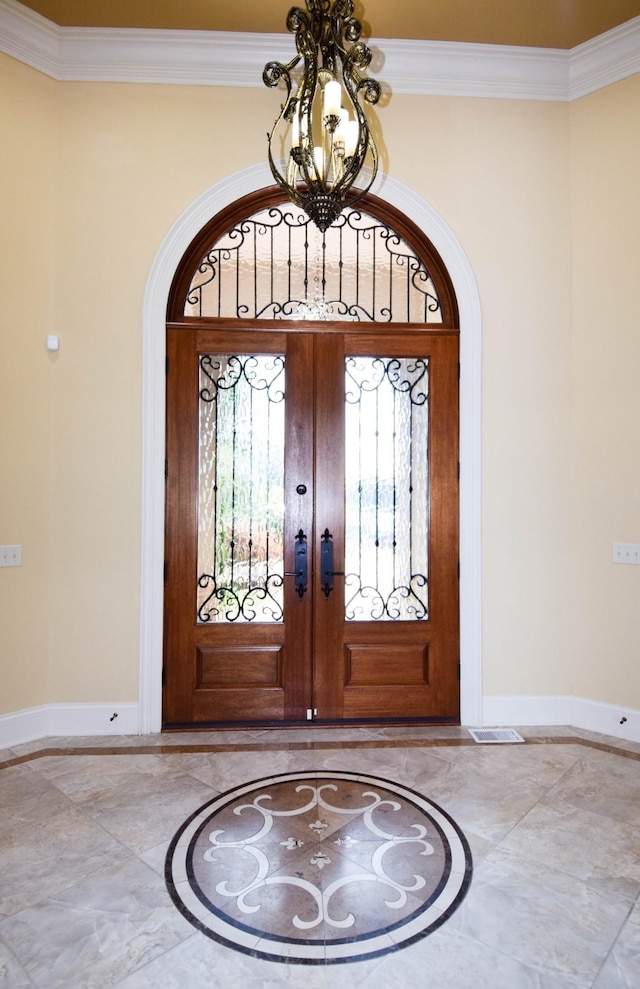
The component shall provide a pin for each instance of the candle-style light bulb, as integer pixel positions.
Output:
(332, 98)
(295, 131)
(352, 132)
(318, 159)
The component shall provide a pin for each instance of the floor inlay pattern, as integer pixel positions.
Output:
(318, 868)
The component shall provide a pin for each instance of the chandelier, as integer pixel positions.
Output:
(322, 121)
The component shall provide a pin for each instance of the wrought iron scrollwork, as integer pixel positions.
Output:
(278, 265)
(224, 373)
(236, 604)
(367, 603)
(403, 376)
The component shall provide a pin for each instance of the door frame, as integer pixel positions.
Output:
(158, 286)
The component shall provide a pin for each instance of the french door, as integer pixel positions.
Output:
(311, 525)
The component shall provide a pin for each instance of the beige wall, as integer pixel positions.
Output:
(96, 176)
(605, 150)
(28, 193)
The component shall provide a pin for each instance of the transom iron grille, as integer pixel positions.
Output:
(241, 488)
(277, 265)
(387, 488)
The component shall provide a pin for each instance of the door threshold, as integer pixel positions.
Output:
(317, 723)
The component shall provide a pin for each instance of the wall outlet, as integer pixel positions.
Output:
(626, 553)
(10, 556)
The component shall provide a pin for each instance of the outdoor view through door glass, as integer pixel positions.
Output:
(386, 488)
(241, 490)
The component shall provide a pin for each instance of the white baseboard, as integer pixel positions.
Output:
(67, 720)
(577, 712)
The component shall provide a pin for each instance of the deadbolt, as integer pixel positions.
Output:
(301, 489)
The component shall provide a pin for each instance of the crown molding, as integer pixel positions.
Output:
(29, 38)
(218, 58)
(602, 61)
(431, 68)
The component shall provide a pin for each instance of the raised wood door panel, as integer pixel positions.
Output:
(314, 659)
(377, 670)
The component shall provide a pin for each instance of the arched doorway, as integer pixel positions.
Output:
(311, 563)
(161, 275)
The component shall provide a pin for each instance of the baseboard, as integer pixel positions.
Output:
(51, 720)
(577, 712)
(69, 720)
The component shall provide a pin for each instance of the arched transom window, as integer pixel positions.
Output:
(276, 264)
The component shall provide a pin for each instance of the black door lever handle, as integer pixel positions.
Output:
(326, 563)
(301, 562)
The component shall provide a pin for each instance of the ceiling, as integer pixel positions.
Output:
(538, 23)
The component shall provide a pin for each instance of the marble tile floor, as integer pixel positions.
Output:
(553, 826)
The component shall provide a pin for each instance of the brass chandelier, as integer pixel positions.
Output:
(322, 122)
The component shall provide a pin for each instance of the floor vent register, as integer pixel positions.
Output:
(495, 736)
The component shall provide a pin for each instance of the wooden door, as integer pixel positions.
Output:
(386, 634)
(237, 643)
(343, 605)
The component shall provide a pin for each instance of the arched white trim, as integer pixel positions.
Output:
(153, 430)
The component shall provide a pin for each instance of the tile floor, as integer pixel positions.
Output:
(553, 825)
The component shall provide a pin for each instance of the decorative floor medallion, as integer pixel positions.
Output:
(318, 868)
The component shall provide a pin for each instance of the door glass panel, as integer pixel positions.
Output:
(386, 488)
(241, 488)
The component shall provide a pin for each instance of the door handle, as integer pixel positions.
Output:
(326, 563)
(300, 573)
